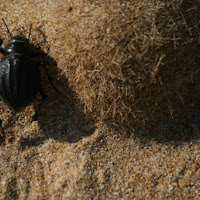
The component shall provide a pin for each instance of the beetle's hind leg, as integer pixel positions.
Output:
(44, 97)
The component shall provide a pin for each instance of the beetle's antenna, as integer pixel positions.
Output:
(29, 35)
(7, 28)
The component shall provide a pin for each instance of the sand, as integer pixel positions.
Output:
(66, 154)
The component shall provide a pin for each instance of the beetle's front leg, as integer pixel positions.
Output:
(1, 50)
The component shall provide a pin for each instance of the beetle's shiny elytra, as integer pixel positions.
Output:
(19, 73)
(19, 81)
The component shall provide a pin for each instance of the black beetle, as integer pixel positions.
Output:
(20, 74)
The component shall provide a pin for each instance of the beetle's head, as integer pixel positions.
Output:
(18, 39)
(18, 44)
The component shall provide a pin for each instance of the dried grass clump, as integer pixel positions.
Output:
(130, 62)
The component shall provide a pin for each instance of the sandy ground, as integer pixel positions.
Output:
(66, 155)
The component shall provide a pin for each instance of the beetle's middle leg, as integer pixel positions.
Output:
(44, 97)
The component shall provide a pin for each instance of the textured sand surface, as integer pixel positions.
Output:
(63, 155)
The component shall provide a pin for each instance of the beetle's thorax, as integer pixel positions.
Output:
(18, 39)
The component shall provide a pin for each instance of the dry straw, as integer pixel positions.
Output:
(131, 62)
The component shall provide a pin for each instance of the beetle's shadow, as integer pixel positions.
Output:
(62, 115)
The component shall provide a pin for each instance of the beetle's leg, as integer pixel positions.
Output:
(1, 124)
(44, 97)
(50, 79)
(1, 50)
(41, 53)
(2, 134)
